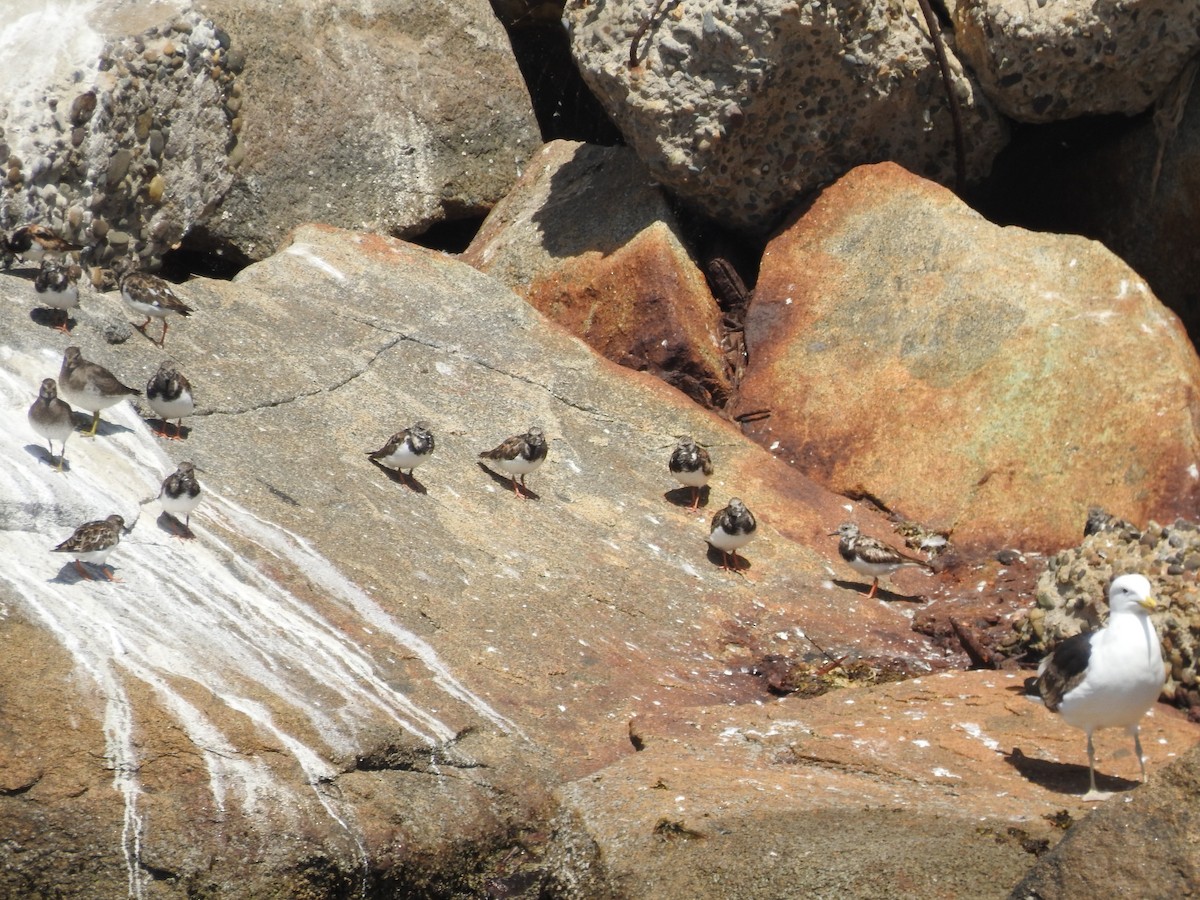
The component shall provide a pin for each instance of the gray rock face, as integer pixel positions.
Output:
(385, 116)
(741, 108)
(122, 141)
(350, 685)
(1046, 61)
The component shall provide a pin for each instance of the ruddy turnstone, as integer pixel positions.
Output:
(869, 556)
(406, 449)
(33, 242)
(1111, 677)
(50, 417)
(519, 455)
(90, 386)
(57, 287)
(152, 297)
(692, 467)
(180, 494)
(169, 394)
(92, 542)
(732, 527)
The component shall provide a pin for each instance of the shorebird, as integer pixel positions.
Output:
(518, 455)
(692, 467)
(869, 556)
(732, 527)
(90, 386)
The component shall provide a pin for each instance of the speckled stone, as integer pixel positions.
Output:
(1073, 589)
(1046, 62)
(740, 109)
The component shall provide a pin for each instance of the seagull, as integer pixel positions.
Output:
(692, 467)
(90, 386)
(732, 527)
(92, 542)
(169, 394)
(869, 556)
(1111, 677)
(152, 297)
(406, 449)
(51, 418)
(518, 455)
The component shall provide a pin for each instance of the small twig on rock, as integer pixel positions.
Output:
(981, 657)
(939, 49)
(640, 33)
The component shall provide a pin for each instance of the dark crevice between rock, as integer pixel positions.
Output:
(201, 253)
(564, 106)
(449, 236)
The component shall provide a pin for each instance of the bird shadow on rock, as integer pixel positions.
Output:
(1064, 778)
(409, 481)
(174, 527)
(508, 483)
(881, 594)
(51, 318)
(737, 562)
(83, 423)
(166, 432)
(69, 574)
(682, 496)
(42, 454)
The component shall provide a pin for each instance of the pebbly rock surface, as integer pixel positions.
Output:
(383, 116)
(123, 141)
(1069, 593)
(1148, 845)
(349, 683)
(741, 109)
(966, 376)
(588, 239)
(1045, 62)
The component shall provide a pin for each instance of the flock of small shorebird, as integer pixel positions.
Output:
(1107, 678)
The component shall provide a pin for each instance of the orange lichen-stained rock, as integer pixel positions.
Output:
(589, 239)
(986, 379)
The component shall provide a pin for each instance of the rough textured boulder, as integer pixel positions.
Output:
(988, 380)
(351, 685)
(1042, 62)
(741, 109)
(122, 140)
(590, 240)
(385, 116)
(1148, 845)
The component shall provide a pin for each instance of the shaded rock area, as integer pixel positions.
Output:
(349, 683)
(410, 114)
(1045, 62)
(131, 147)
(1133, 185)
(1148, 845)
(969, 377)
(740, 110)
(590, 240)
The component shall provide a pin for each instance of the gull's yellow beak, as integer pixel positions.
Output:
(1148, 603)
